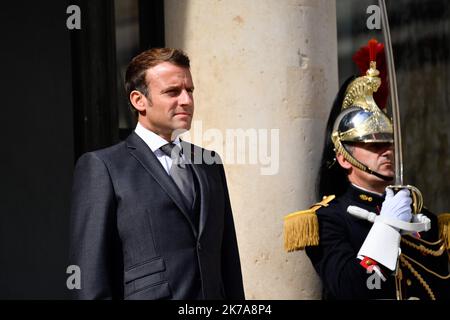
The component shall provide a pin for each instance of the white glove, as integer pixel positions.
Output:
(383, 241)
(397, 206)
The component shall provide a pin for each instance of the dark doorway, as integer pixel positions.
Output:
(61, 94)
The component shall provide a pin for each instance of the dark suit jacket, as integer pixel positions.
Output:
(132, 235)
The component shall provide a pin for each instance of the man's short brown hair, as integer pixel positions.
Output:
(136, 70)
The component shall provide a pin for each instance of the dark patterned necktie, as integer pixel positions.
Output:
(180, 173)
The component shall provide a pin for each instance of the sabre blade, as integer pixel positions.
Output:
(393, 95)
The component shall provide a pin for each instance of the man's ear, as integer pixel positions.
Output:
(138, 100)
(343, 162)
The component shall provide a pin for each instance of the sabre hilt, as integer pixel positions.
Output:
(416, 196)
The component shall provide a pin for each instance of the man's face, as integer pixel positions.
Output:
(377, 156)
(170, 105)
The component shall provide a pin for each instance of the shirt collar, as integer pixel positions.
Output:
(153, 141)
(367, 190)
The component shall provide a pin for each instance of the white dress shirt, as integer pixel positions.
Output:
(155, 142)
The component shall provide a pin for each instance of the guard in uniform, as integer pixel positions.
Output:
(378, 254)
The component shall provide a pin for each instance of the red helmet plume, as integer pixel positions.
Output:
(374, 51)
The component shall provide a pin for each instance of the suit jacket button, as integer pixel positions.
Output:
(199, 246)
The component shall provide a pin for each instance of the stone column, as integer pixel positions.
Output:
(265, 75)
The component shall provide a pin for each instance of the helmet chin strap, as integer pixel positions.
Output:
(379, 175)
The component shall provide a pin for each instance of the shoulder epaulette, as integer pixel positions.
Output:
(301, 228)
(444, 229)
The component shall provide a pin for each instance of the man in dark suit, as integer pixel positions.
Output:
(151, 216)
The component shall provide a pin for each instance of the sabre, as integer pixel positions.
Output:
(393, 95)
(398, 151)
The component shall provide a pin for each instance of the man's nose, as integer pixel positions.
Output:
(389, 149)
(185, 98)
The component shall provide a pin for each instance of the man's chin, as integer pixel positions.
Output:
(386, 169)
(184, 127)
(180, 130)
(385, 173)
(389, 174)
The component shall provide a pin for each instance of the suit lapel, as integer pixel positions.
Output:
(139, 149)
(200, 172)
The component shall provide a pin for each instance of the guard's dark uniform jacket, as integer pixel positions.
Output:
(423, 264)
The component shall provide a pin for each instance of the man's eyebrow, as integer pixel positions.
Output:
(175, 87)
(167, 89)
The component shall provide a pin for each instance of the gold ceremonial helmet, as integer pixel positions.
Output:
(361, 120)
